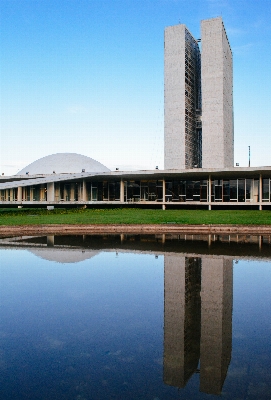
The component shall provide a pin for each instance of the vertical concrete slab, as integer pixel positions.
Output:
(19, 193)
(83, 191)
(72, 192)
(260, 191)
(50, 191)
(121, 191)
(217, 96)
(174, 97)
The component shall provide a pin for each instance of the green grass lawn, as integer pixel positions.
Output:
(132, 216)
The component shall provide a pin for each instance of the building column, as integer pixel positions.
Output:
(209, 192)
(121, 191)
(164, 195)
(260, 191)
(19, 195)
(72, 198)
(31, 193)
(84, 190)
(50, 191)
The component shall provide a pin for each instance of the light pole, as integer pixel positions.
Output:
(248, 156)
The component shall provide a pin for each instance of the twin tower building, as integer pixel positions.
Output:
(198, 98)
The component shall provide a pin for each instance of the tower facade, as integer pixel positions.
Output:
(182, 99)
(217, 101)
(198, 98)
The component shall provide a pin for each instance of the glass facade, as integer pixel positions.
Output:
(34, 193)
(181, 191)
(239, 190)
(266, 189)
(145, 190)
(235, 190)
(193, 134)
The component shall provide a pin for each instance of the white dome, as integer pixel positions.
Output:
(63, 163)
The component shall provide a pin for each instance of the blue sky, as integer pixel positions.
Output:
(86, 76)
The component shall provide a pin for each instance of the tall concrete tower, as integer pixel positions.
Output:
(198, 98)
(217, 96)
(182, 99)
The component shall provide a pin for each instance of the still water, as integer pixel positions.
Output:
(135, 317)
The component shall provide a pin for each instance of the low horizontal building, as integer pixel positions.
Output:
(85, 182)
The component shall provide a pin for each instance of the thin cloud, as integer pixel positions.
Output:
(236, 31)
(217, 6)
(8, 166)
(226, 10)
(243, 49)
(262, 24)
(77, 109)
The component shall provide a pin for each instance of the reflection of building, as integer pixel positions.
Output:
(216, 323)
(63, 256)
(181, 318)
(197, 320)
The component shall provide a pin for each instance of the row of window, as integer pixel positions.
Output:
(224, 190)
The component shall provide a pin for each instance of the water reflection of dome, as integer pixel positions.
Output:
(63, 256)
(63, 163)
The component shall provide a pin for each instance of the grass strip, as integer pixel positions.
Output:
(132, 216)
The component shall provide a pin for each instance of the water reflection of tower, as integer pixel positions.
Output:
(216, 323)
(181, 318)
(197, 320)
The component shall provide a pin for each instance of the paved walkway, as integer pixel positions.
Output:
(60, 229)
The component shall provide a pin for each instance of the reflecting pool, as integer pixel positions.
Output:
(135, 317)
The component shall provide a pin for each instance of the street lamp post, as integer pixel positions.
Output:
(248, 156)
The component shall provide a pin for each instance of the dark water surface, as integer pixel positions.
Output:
(135, 317)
